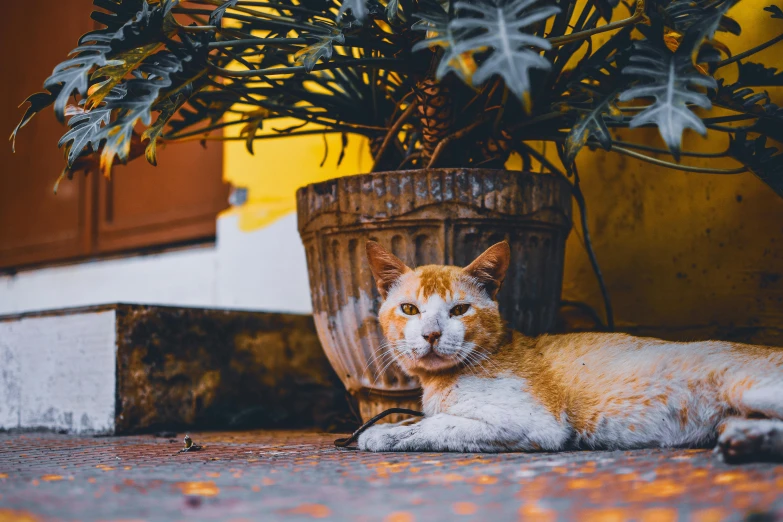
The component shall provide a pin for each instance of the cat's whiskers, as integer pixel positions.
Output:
(392, 351)
(471, 366)
(384, 350)
(382, 365)
(472, 360)
(485, 356)
(381, 371)
(476, 357)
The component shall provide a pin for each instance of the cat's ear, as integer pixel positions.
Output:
(386, 267)
(489, 269)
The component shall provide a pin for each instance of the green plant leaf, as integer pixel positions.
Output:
(323, 48)
(743, 99)
(113, 14)
(126, 23)
(168, 109)
(775, 10)
(765, 162)
(703, 25)
(709, 16)
(38, 102)
(499, 27)
(358, 9)
(86, 125)
(592, 124)
(440, 34)
(121, 65)
(393, 12)
(255, 122)
(216, 18)
(73, 75)
(753, 74)
(152, 76)
(671, 76)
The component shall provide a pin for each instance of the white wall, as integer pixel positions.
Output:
(264, 269)
(260, 270)
(59, 372)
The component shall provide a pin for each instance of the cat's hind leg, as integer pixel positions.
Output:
(747, 440)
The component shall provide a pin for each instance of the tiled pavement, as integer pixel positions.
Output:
(301, 476)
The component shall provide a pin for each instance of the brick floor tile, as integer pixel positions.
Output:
(302, 476)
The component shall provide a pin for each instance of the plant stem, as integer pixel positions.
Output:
(536, 119)
(283, 42)
(582, 35)
(207, 129)
(728, 119)
(393, 133)
(177, 139)
(261, 14)
(585, 308)
(267, 20)
(456, 136)
(749, 52)
(410, 157)
(354, 62)
(300, 113)
(274, 5)
(676, 166)
(254, 42)
(542, 159)
(580, 202)
(576, 191)
(631, 145)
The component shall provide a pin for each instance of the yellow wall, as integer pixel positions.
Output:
(282, 165)
(684, 255)
(687, 255)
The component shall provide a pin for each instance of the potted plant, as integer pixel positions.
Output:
(445, 92)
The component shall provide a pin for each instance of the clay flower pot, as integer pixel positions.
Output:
(438, 216)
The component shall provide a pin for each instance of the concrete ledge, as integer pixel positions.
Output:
(128, 368)
(58, 372)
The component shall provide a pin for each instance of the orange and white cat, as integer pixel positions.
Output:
(489, 389)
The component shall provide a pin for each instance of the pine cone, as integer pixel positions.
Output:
(494, 150)
(435, 112)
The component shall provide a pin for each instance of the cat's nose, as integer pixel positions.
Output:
(432, 337)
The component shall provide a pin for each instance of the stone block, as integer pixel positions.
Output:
(130, 368)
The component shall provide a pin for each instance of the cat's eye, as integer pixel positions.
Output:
(409, 309)
(460, 309)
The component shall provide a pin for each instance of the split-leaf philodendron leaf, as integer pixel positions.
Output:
(671, 77)
(526, 71)
(358, 8)
(592, 124)
(322, 48)
(440, 34)
(483, 25)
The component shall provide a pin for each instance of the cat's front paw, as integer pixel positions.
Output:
(384, 438)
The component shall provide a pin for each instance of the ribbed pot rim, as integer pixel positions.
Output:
(330, 181)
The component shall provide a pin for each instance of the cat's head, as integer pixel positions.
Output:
(439, 317)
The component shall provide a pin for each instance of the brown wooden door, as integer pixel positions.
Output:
(176, 201)
(36, 226)
(141, 206)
